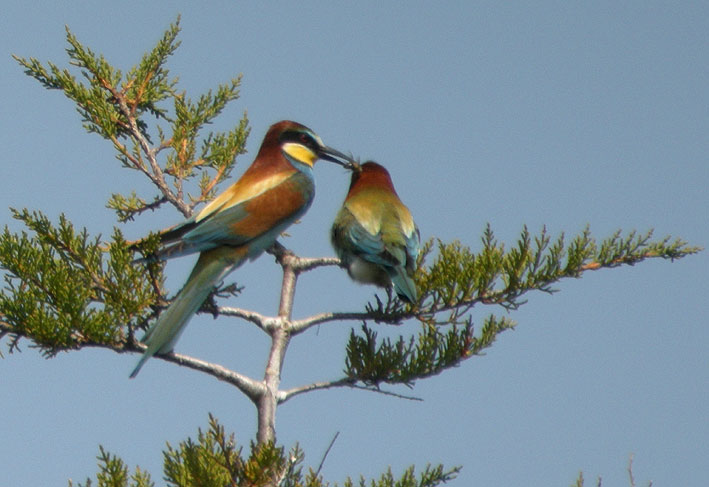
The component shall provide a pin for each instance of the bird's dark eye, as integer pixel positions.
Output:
(303, 138)
(308, 141)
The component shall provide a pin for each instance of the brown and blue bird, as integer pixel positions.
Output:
(239, 224)
(374, 234)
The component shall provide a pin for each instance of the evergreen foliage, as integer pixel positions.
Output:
(214, 460)
(66, 289)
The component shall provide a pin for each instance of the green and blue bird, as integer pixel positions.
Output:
(374, 234)
(239, 224)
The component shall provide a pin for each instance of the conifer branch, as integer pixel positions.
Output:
(128, 208)
(297, 263)
(265, 323)
(253, 389)
(65, 290)
(213, 457)
(327, 452)
(284, 396)
(299, 326)
(459, 279)
(114, 106)
(156, 173)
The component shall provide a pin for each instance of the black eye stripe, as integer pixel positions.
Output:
(301, 138)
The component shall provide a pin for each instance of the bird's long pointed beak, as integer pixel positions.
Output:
(329, 154)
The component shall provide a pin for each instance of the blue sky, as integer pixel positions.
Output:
(541, 113)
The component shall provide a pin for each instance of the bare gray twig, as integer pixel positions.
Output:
(329, 447)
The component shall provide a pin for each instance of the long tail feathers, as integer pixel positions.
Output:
(403, 285)
(211, 268)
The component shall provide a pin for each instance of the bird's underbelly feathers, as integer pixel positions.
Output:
(366, 272)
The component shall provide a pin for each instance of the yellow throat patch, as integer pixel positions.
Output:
(300, 153)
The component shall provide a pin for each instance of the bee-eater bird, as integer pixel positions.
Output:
(375, 235)
(239, 224)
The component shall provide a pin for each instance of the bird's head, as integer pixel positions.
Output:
(370, 174)
(303, 145)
